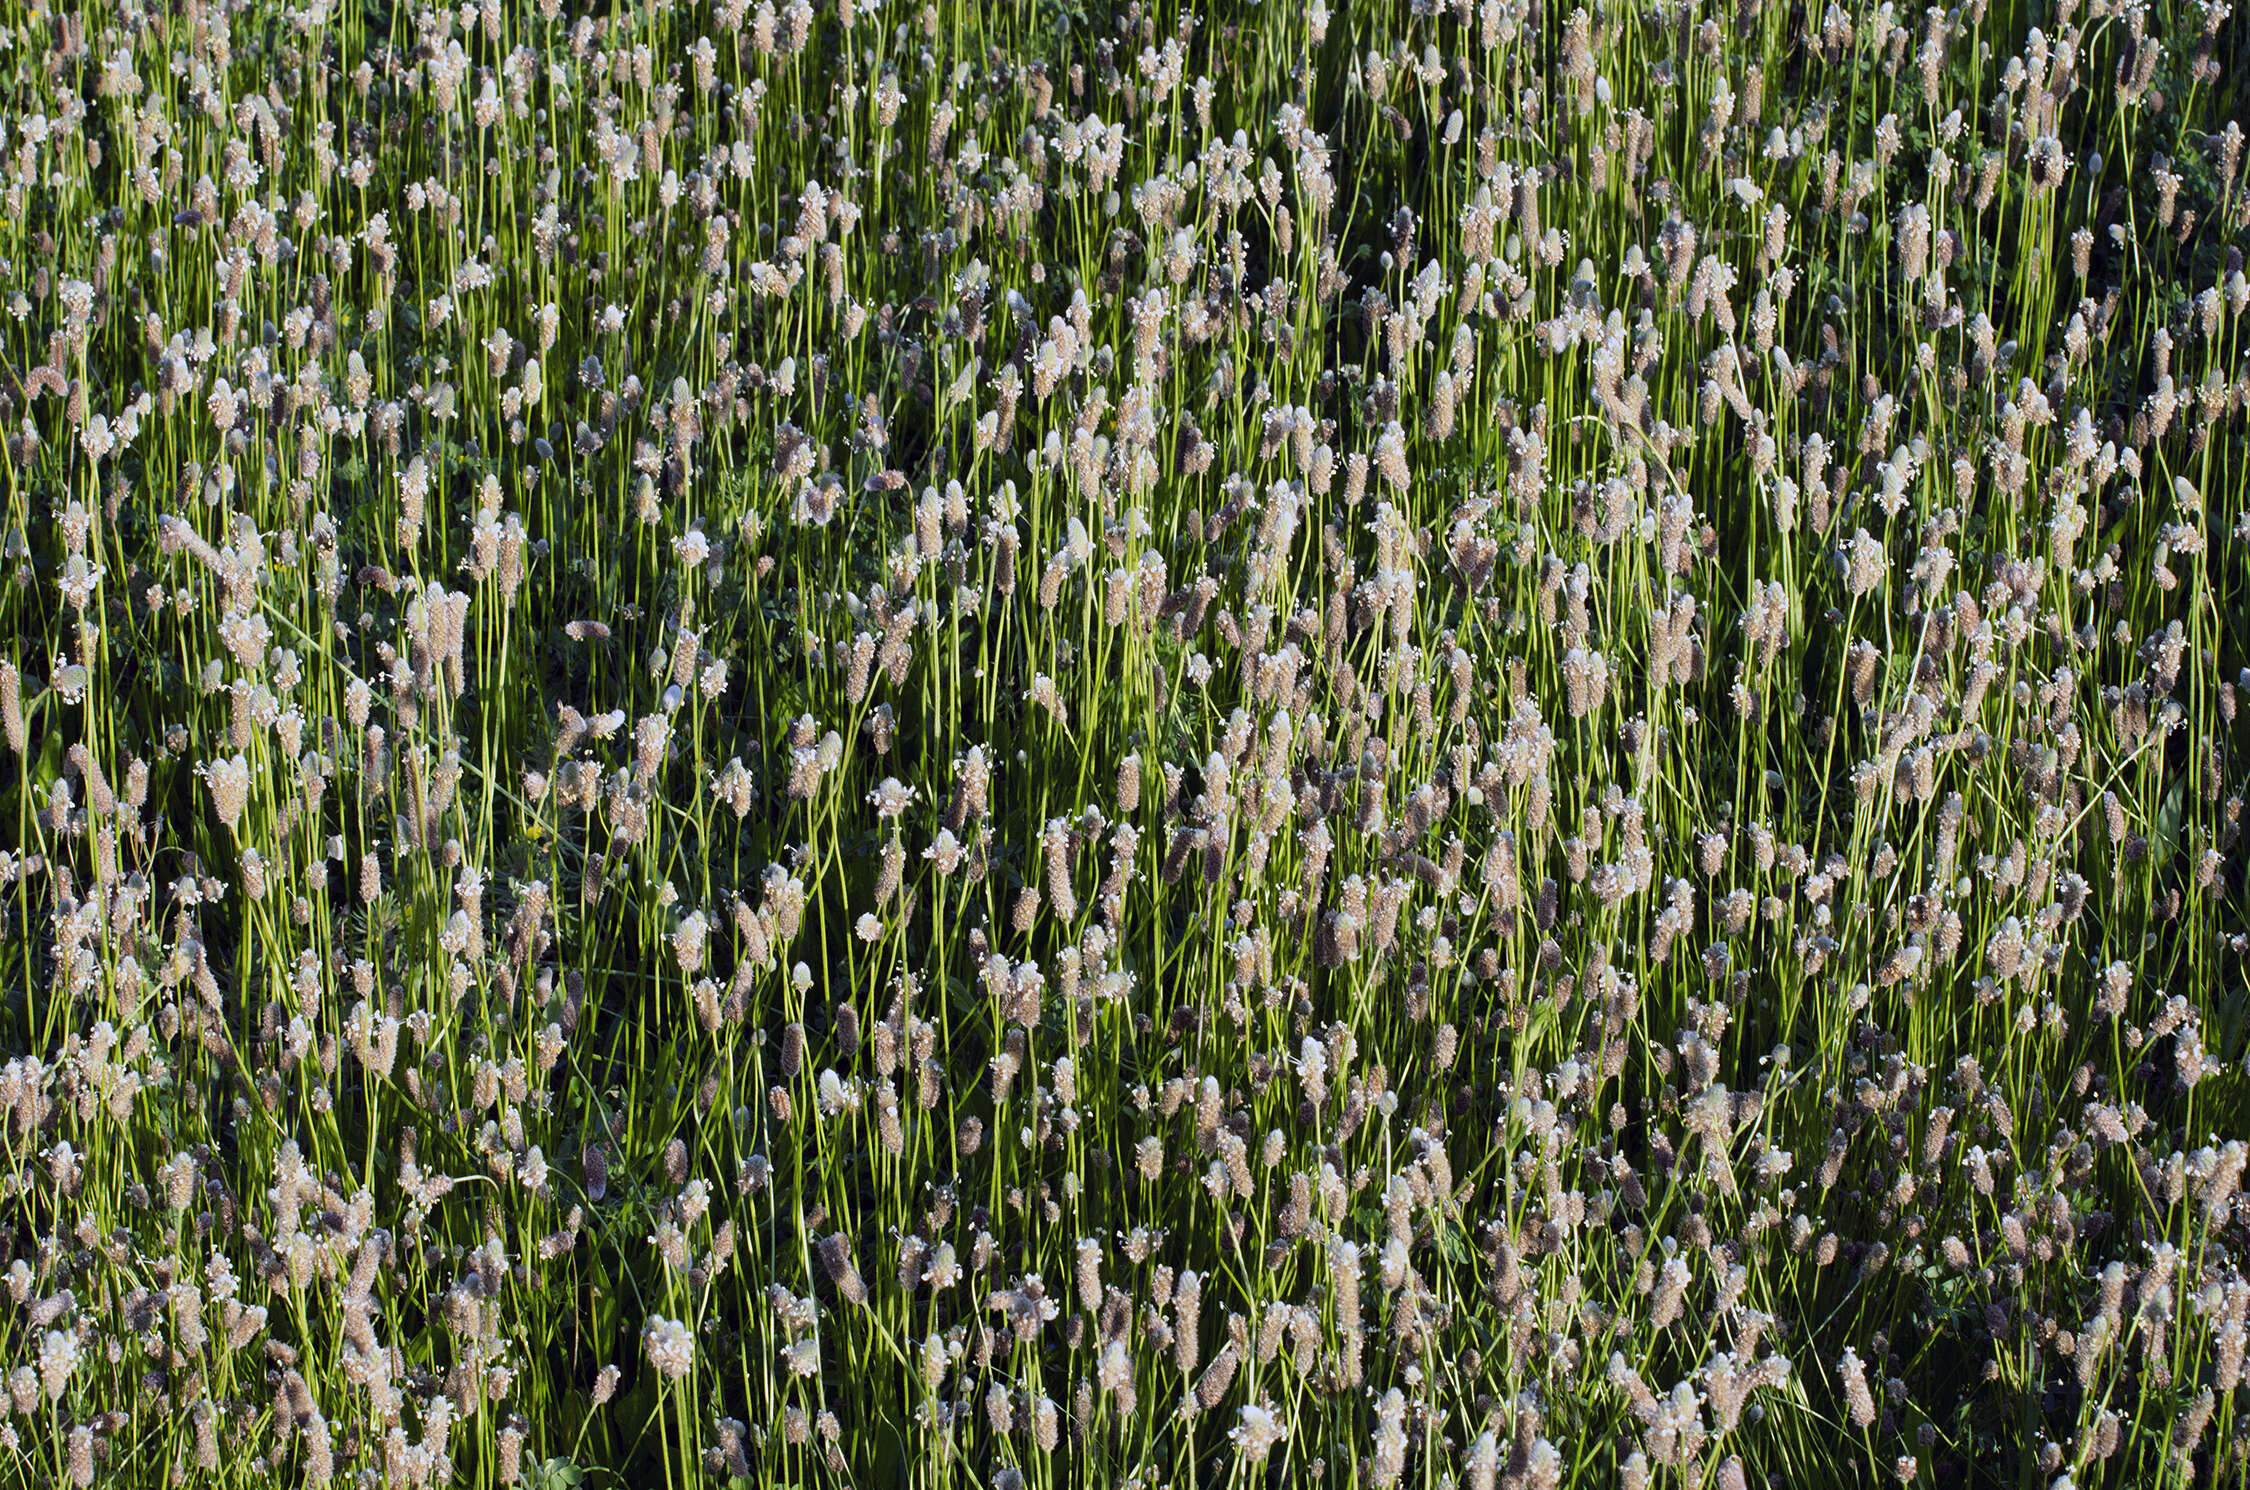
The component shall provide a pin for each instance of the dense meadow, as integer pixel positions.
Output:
(1454, 744)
